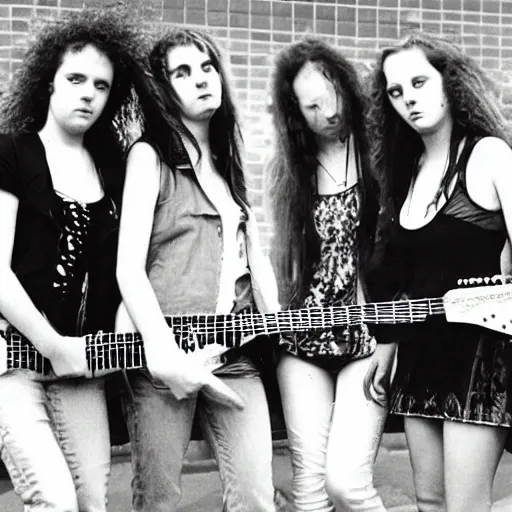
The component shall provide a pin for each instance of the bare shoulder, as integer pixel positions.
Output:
(493, 153)
(143, 152)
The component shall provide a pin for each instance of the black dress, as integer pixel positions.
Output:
(445, 370)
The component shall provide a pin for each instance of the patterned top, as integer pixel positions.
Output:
(82, 226)
(334, 283)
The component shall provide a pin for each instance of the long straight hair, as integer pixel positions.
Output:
(296, 243)
(224, 131)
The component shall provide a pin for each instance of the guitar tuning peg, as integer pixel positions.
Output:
(472, 281)
(497, 279)
(459, 282)
(479, 281)
(507, 279)
(465, 282)
(487, 280)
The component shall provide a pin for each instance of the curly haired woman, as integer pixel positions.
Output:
(324, 203)
(61, 175)
(443, 149)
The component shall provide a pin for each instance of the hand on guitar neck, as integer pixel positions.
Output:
(184, 376)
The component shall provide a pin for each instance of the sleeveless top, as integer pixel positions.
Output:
(447, 370)
(334, 283)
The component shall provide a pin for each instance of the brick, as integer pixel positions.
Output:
(490, 41)
(217, 19)
(388, 3)
(20, 26)
(367, 15)
(387, 16)
(325, 12)
(431, 4)
(388, 31)
(346, 14)
(195, 16)
(285, 37)
(5, 39)
(325, 27)
(506, 8)
(432, 15)
(454, 5)
(491, 6)
(239, 20)
(490, 19)
(239, 72)
(366, 30)
(491, 53)
(432, 28)
(241, 60)
(468, 17)
(239, 6)
(49, 3)
(5, 25)
(170, 15)
(303, 25)
(410, 3)
(346, 29)
(195, 4)
(261, 7)
(282, 24)
(303, 10)
(471, 5)
(282, 9)
(22, 12)
(260, 36)
(78, 4)
(452, 16)
(261, 22)
(372, 3)
(217, 5)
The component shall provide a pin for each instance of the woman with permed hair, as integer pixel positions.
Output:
(63, 122)
(189, 244)
(443, 149)
(324, 202)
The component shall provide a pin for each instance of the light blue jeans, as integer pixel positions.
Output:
(333, 433)
(160, 429)
(55, 442)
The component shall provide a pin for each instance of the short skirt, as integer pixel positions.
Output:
(454, 372)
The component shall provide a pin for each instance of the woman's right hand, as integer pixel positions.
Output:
(184, 377)
(67, 357)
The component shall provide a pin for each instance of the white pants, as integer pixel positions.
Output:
(55, 442)
(334, 434)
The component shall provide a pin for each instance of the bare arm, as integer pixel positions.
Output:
(66, 354)
(165, 361)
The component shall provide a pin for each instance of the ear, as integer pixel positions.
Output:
(50, 88)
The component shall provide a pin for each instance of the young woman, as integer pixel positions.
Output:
(61, 169)
(443, 148)
(189, 244)
(324, 203)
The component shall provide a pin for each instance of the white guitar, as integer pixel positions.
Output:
(486, 306)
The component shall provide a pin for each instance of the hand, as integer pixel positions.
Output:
(67, 357)
(183, 376)
(376, 382)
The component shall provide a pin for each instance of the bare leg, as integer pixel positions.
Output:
(425, 441)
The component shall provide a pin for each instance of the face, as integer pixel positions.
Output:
(195, 81)
(319, 102)
(416, 91)
(81, 88)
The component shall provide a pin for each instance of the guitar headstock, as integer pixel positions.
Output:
(486, 302)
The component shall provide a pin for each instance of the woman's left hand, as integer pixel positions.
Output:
(378, 377)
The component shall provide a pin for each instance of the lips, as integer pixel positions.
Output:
(86, 111)
(204, 96)
(415, 115)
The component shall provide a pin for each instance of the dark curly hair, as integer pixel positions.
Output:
(24, 106)
(225, 136)
(296, 244)
(396, 147)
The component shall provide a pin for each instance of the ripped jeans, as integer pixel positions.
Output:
(55, 442)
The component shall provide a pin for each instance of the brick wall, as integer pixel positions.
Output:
(251, 31)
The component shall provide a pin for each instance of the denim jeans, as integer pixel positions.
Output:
(55, 442)
(160, 429)
(333, 433)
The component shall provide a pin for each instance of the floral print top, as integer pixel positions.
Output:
(334, 283)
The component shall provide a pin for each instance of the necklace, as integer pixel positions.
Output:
(343, 183)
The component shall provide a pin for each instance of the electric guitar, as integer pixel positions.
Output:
(486, 306)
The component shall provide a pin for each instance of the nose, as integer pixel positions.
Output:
(201, 80)
(88, 91)
(332, 118)
(409, 98)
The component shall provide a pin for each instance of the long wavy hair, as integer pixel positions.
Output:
(296, 244)
(396, 147)
(24, 106)
(224, 131)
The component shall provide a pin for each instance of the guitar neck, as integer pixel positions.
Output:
(110, 351)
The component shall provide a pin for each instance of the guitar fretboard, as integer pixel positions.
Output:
(105, 351)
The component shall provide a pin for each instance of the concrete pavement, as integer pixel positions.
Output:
(201, 484)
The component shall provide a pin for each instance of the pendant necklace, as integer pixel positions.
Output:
(343, 183)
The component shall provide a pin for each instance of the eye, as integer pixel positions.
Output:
(75, 80)
(102, 86)
(207, 67)
(418, 82)
(394, 92)
(312, 107)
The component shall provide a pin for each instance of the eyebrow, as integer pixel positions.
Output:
(187, 66)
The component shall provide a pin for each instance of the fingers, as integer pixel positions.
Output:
(221, 393)
(368, 380)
